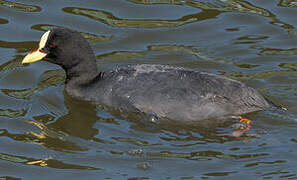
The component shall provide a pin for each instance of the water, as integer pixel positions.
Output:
(45, 134)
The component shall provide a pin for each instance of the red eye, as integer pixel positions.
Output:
(52, 46)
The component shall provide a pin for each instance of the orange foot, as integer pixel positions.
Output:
(244, 126)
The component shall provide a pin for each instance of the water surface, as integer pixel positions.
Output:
(45, 134)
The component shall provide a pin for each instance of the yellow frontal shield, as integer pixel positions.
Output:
(37, 54)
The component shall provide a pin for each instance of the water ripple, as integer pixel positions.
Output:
(12, 113)
(111, 20)
(47, 79)
(3, 21)
(219, 5)
(288, 3)
(277, 51)
(19, 6)
(21, 47)
(9, 178)
(46, 131)
(46, 162)
(150, 2)
(230, 6)
(92, 38)
(204, 155)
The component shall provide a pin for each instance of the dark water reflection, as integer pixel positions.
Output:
(45, 134)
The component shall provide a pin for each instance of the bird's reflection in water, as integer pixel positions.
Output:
(79, 120)
(118, 124)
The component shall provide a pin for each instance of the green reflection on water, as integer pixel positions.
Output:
(288, 3)
(247, 66)
(3, 21)
(9, 178)
(292, 66)
(11, 65)
(47, 79)
(109, 19)
(230, 6)
(18, 93)
(175, 2)
(12, 113)
(48, 162)
(180, 48)
(19, 6)
(261, 75)
(269, 163)
(219, 173)
(25, 46)
(250, 39)
(51, 78)
(220, 5)
(131, 141)
(12, 158)
(206, 155)
(275, 51)
(46, 137)
(128, 55)
(91, 38)
(20, 47)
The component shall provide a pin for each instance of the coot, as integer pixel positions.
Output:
(172, 92)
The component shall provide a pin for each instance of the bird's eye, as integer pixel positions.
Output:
(52, 46)
(41, 50)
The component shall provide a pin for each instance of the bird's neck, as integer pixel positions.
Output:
(81, 75)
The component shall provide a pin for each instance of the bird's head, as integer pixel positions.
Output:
(61, 46)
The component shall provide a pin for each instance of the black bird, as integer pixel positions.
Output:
(172, 92)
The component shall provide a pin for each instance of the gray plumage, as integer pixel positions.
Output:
(172, 92)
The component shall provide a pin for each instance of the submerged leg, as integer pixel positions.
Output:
(244, 125)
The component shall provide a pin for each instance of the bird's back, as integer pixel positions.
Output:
(176, 93)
